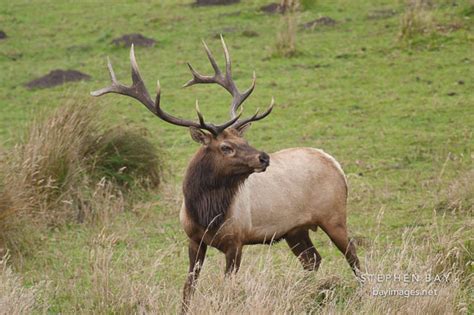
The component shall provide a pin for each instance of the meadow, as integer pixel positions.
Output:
(388, 90)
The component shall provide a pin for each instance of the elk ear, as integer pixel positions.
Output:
(242, 129)
(200, 136)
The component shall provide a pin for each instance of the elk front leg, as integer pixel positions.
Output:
(233, 257)
(197, 253)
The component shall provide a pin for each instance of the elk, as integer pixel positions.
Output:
(236, 195)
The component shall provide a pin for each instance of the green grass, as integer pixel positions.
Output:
(394, 116)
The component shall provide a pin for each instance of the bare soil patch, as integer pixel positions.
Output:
(215, 2)
(448, 28)
(250, 33)
(380, 14)
(223, 31)
(136, 39)
(3, 35)
(322, 21)
(272, 8)
(57, 77)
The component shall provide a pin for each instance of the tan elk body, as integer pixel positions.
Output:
(302, 188)
(235, 195)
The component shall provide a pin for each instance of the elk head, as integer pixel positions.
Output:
(223, 144)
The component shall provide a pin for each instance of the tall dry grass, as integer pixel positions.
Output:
(271, 280)
(15, 298)
(65, 169)
(269, 286)
(458, 197)
(285, 45)
(416, 21)
(133, 292)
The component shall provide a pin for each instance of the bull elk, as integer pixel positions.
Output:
(234, 195)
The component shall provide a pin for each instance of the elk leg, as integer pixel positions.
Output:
(197, 253)
(301, 245)
(233, 257)
(338, 235)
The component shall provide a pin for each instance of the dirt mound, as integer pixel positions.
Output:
(272, 8)
(250, 33)
(3, 35)
(380, 14)
(215, 2)
(322, 21)
(57, 77)
(137, 39)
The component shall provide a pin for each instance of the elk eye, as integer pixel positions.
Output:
(226, 149)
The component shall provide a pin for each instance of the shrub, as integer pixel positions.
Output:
(265, 285)
(15, 298)
(286, 36)
(126, 157)
(65, 162)
(416, 21)
(458, 197)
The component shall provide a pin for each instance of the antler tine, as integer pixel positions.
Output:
(139, 92)
(256, 116)
(224, 80)
(199, 78)
(112, 78)
(237, 102)
(200, 116)
(211, 58)
(228, 63)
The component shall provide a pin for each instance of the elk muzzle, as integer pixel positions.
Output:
(264, 161)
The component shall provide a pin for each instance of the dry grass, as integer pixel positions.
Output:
(123, 293)
(458, 197)
(66, 169)
(271, 281)
(265, 286)
(286, 37)
(15, 298)
(417, 20)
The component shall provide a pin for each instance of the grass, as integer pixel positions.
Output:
(66, 167)
(286, 37)
(416, 21)
(397, 117)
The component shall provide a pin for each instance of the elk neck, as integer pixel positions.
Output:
(208, 195)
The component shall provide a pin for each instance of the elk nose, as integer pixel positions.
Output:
(264, 158)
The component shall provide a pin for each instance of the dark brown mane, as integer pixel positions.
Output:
(208, 195)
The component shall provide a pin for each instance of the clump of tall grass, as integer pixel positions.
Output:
(286, 37)
(135, 291)
(124, 159)
(416, 21)
(265, 285)
(15, 298)
(65, 166)
(458, 197)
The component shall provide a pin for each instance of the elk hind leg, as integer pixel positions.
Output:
(301, 245)
(338, 235)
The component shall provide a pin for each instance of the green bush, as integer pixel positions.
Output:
(64, 163)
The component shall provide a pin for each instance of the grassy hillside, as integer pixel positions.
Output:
(398, 113)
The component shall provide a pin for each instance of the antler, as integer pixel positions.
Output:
(226, 81)
(139, 92)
